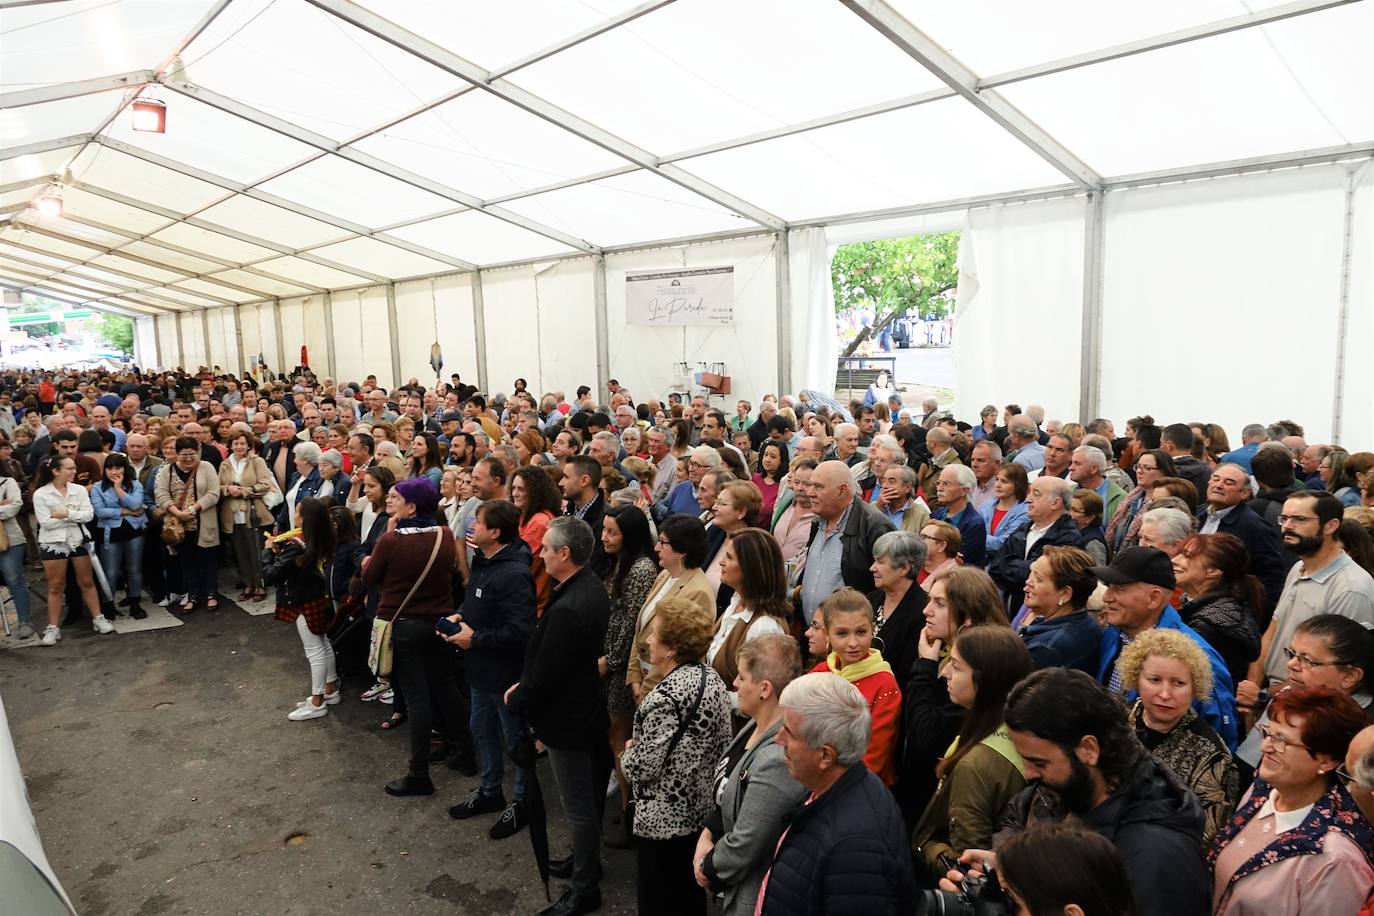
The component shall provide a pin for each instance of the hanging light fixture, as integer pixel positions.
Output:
(150, 116)
(50, 204)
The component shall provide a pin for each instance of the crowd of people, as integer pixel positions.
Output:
(825, 658)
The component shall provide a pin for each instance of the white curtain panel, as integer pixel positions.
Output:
(1017, 323)
(1221, 301)
(814, 348)
(1357, 407)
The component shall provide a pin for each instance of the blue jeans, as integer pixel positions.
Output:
(12, 569)
(129, 555)
(489, 717)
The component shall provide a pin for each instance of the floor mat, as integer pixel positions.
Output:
(259, 608)
(159, 618)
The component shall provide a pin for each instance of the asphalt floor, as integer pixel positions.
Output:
(166, 779)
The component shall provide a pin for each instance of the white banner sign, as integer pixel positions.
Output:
(705, 296)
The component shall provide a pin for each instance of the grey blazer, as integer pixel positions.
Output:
(756, 795)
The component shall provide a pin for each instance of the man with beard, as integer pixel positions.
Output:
(1323, 581)
(1083, 759)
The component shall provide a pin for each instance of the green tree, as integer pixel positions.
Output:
(896, 276)
(117, 331)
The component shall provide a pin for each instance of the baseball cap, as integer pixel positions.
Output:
(1138, 564)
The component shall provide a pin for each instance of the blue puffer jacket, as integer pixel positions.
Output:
(845, 854)
(107, 506)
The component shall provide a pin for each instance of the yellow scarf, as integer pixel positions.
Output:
(857, 671)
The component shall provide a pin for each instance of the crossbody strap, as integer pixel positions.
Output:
(687, 719)
(429, 564)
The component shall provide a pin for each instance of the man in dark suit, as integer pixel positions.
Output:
(559, 695)
(1049, 525)
(1226, 512)
(1177, 442)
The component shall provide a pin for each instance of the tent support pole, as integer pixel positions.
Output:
(244, 362)
(603, 336)
(181, 343)
(205, 334)
(1090, 377)
(479, 326)
(782, 267)
(157, 346)
(1343, 315)
(330, 362)
(394, 333)
(282, 358)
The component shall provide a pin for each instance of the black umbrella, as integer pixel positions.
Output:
(525, 756)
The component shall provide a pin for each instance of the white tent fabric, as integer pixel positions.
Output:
(334, 173)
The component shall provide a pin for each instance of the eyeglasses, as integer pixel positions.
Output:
(1307, 662)
(1296, 519)
(930, 537)
(1278, 742)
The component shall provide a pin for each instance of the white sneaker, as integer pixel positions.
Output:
(51, 635)
(374, 691)
(387, 696)
(102, 625)
(334, 699)
(307, 710)
(165, 601)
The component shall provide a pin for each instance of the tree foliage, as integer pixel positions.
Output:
(117, 331)
(896, 277)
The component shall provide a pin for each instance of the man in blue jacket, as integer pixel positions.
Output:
(1139, 584)
(495, 622)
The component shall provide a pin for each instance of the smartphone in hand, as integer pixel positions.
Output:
(445, 627)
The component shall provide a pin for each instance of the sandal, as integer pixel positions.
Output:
(187, 606)
(212, 604)
(396, 720)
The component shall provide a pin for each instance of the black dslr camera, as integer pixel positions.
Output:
(978, 895)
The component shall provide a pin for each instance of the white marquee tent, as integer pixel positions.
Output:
(1166, 207)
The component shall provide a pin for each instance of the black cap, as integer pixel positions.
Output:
(1138, 564)
(451, 416)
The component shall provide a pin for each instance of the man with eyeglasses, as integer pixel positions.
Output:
(1226, 512)
(1323, 581)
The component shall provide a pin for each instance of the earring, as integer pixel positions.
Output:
(1061, 603)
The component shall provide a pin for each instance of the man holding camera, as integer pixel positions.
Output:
(1084, 760)
(494, 625)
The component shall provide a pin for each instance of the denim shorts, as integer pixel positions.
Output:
(45, 552)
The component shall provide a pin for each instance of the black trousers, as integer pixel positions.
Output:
(665, 885)
(423, 670)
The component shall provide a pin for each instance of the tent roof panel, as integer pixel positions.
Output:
(268, 287)
(214, 141)
(906, 156)
(112, 170)
(184, 235)
(50, 120)
(36, 165)
(55, 261)
(137, 268)
(994, 36)
(76, 230)
(81, 39)
(629, 208)
(380, 258)
(169, 257)
(214, 289)
(356, 193)
(309, 272)
(1281, 87)
(111, 213)
(55, 247)
(715, 69)
(19, 199)
(480, 238)
(270, 222)
(494, 34)
(484, 146)
(347, 83)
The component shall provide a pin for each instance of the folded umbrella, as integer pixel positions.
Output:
(525, 756)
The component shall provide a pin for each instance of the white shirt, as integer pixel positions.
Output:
(1034, 535)
(648, 611)
(1284, 821)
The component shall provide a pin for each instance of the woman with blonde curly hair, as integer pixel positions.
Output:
(1171, 672)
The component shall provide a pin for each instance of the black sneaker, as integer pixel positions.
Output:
(510, 822)
(136, 611)
(476, 804)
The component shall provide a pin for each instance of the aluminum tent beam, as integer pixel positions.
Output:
(43, 146)
(446, 60)
(933, 56)
(57, 92)
(352, 229)
(1242, 166)
(357, 157)
(58, 297)
(44, 271)
(572, 41)
(275, 247)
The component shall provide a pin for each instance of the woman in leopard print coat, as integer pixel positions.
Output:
(681, 730)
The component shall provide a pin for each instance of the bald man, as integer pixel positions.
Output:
(1359, 768)
(839, 551)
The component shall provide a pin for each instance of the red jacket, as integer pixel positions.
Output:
(885, 711)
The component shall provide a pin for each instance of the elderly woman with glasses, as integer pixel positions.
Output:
(942, 551)
(1297, 844)
(190, 491)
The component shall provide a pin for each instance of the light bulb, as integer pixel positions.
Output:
(50, 205)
